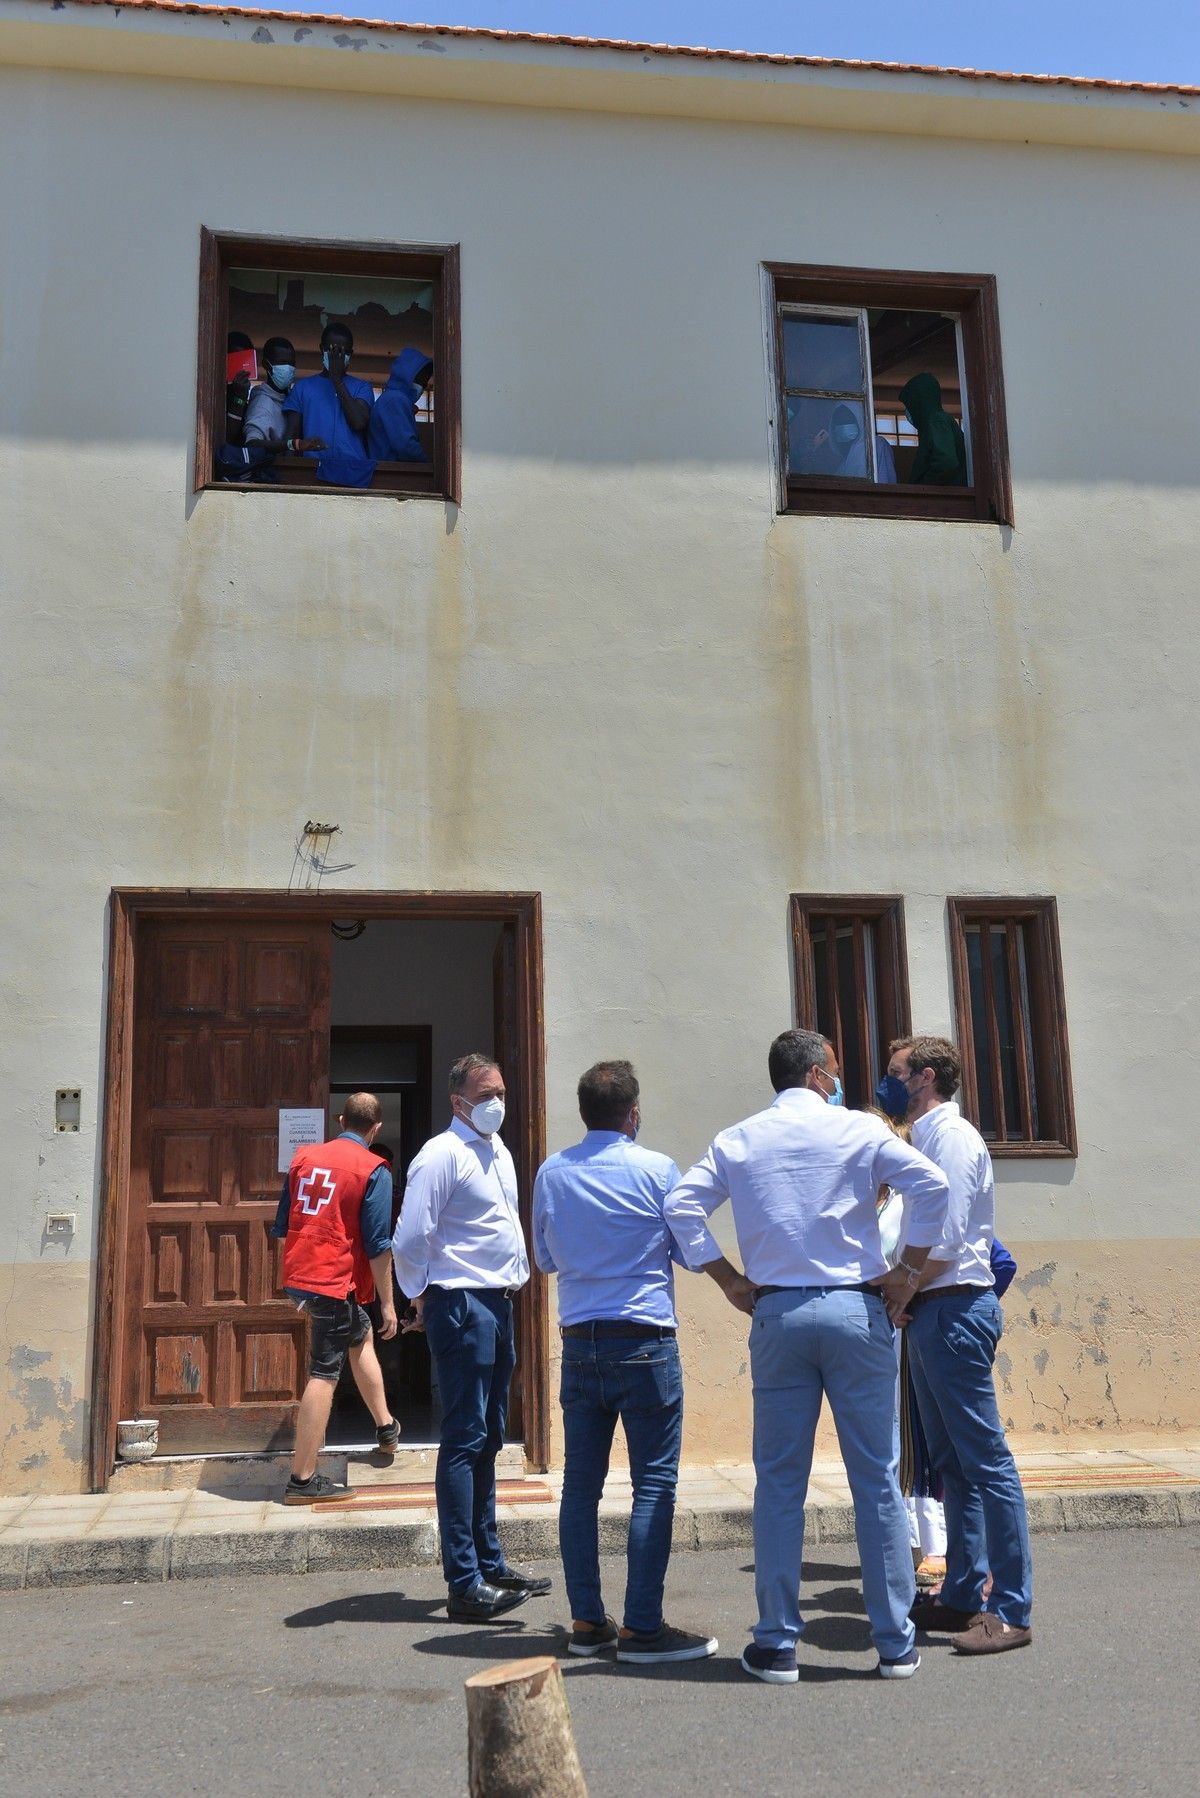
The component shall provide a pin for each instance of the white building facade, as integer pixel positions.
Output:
(635, 745)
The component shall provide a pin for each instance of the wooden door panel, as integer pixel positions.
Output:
(180, 1365)
(185, 1167)
(268, 1360)
(231, 1022)
(226, 1263)
(193, 976)
(168, 1263)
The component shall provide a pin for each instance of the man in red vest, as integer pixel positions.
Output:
(335, 1214)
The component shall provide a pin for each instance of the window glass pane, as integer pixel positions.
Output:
(1006, 1028)
(852, 1068)
(980, 1036)
(921, 347)
(822, 353)
(821, 979)
(826, 437)
(1027, 1014)
(875, 1068)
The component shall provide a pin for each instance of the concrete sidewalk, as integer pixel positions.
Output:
(195, 1533)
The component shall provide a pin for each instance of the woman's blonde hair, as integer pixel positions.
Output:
(901, 1130)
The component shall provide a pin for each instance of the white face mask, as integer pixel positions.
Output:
(487, 1116)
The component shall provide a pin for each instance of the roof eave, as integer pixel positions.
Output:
(278, 49)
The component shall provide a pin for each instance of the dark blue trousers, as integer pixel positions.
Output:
(470, 1335)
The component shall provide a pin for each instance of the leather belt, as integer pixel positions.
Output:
(859, 1286)
(616, 1326)
(945, 1292)
(501, 1292)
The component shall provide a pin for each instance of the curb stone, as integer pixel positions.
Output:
(347, 1547)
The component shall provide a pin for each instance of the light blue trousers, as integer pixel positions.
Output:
(804, 1343)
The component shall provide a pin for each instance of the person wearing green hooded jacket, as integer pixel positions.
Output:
(941, 458)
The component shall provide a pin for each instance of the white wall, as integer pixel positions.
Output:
(615, 675)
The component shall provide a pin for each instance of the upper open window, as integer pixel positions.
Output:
(889, 396)
(328, 367)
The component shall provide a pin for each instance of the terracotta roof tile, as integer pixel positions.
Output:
(768, 58)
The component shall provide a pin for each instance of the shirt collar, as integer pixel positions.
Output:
(353, 1135)
(603, 1139)
(923, 1126)
(465, 1133)
(797, 1095)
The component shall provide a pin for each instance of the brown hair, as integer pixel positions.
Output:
(935, 1052)
(466, 1065)
(607, 1094)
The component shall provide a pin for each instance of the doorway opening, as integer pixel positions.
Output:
(226, 1009)
(407, 998)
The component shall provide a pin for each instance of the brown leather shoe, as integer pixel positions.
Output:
(991, 1635)
(931, 1615)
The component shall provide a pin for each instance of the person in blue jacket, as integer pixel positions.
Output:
(336, 408)
(393, 434)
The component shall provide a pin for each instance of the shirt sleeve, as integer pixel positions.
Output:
(670, 1182)
(688, 1205)
(541, 1217)
(284, 1209)
(898, 1164)
(1004, 1267)
(430, 1183)
(255, 430)
(375, 1219)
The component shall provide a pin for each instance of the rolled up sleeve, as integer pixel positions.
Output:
(375, 1219)
(430, 1183)
(689, 1205)
(898, 1164)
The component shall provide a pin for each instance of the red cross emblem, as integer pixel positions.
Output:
(310, 1200)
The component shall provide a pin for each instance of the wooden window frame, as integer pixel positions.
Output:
(1048, 1025)
(886, 912)
(973, 298)
(222, 250)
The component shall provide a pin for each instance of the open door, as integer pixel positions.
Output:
(506, 1025)
(231, 1023)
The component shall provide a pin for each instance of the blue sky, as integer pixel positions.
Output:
(1148, 40)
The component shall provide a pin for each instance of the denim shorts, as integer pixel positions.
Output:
(336, 1325)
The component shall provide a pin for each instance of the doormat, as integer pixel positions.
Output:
(1134, 1473)
(423, 1496)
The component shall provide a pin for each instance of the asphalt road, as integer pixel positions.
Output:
(352, 1684)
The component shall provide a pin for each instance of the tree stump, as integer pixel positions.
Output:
(520, 1743)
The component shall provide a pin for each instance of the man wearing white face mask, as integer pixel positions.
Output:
(460, 1257)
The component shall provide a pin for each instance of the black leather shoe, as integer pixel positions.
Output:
(513, 1579)
(482, 1604)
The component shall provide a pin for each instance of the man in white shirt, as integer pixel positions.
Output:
(460, 1257)
(955, 1327)
(802, 1178)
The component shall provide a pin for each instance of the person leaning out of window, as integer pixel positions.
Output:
(265, 427)
(335, 407)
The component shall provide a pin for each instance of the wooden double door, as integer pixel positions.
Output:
(220, 1017)
(231, 1023)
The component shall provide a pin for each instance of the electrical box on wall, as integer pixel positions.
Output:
(66, 1108)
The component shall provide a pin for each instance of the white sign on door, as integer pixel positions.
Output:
(297, 1128)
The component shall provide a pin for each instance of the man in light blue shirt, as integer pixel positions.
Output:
(802, 1179)
(598, 1224)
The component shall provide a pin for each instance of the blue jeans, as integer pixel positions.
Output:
(805, 1343)
(639, 1380)
(952, 1345)
(470, 1336)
